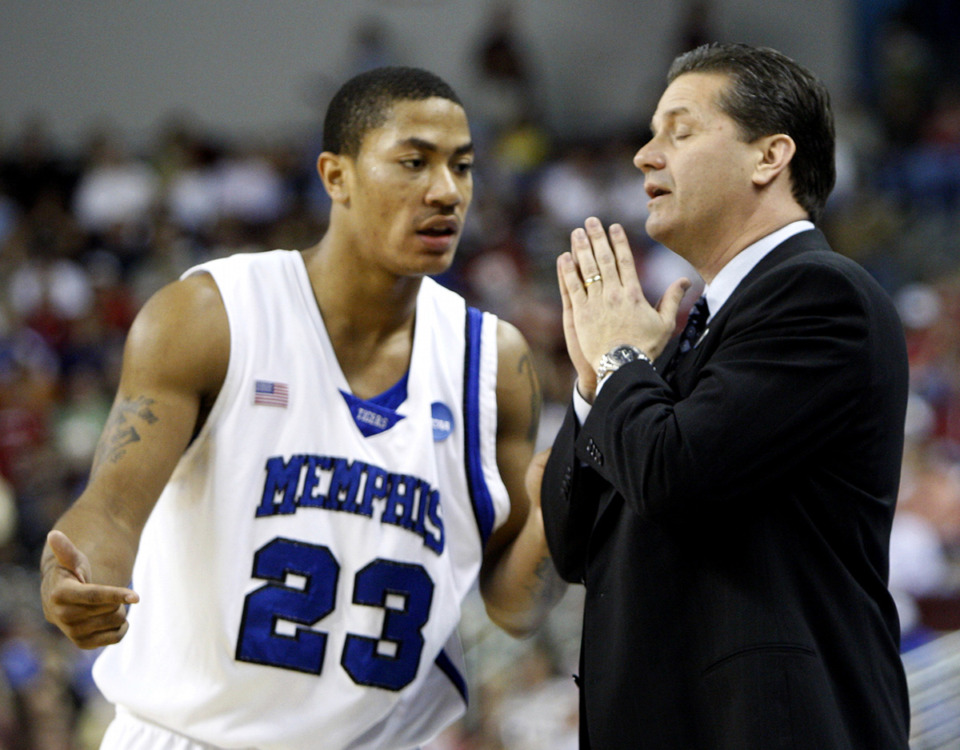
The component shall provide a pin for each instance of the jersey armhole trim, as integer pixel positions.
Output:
(446, 665)
(480, 499)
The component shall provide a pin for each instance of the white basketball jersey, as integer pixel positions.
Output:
(302, 574)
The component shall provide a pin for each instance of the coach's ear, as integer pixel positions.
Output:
(774, 153)
(333, 169)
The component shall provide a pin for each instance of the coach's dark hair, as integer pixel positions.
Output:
(769, 93)
(363, 103)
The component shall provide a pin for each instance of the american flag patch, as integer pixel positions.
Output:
(269, 393)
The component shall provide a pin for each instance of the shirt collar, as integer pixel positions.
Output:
(730, 276)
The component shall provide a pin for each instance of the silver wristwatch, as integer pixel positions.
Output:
(614, 359)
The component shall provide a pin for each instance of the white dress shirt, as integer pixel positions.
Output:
(722, 286)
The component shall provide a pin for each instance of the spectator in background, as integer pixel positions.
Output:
(116, 189)
(372, 46)
(33, 171)
(505, 90)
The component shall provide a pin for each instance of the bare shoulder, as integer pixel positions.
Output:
(511, 344)
(513, 356)
(181, 336)
(518, 388)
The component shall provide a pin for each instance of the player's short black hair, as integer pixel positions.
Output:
(768, 94)
(363, 103)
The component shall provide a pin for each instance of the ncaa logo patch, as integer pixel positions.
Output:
(442, 421)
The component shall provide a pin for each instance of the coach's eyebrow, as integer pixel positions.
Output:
(669, 115)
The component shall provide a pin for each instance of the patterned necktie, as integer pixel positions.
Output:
(696, 324)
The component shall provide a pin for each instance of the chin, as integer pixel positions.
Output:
(657, 231)
(438, 268)
(432, 266)
(440, 260)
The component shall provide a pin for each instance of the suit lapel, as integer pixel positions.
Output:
(689, 365)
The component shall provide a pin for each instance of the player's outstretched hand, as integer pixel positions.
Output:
(89, 614)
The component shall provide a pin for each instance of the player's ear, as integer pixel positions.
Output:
(333, 169)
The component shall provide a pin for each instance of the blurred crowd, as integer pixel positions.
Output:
(87, 234)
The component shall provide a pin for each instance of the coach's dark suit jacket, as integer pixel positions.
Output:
(731, 524)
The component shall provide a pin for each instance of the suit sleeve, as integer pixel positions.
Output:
(569, 503)
(802, 350)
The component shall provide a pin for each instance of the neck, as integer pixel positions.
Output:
(710, 262)
(368, 315)
(358, 298)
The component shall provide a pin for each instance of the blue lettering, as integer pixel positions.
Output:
(344, 484)
(281, 477)
(423, 499)
(354, 487)
(308, 496)
(399, 510)
(434, 538)
(376, 488)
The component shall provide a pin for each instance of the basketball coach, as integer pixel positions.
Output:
(726, 497)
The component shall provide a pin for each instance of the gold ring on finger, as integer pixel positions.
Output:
(591, 279)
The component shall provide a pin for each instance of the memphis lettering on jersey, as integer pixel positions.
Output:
(337, 484)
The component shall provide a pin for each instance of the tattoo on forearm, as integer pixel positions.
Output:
(525, 365)
(550, 586)
(121, 429)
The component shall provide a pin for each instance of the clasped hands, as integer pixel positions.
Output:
(604, 305)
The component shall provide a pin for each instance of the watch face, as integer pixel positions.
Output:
(624, 354)
(618, 356)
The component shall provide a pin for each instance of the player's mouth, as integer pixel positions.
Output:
(439, 233)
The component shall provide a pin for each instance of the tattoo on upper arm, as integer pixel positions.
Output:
(121, 429)
(525, 366)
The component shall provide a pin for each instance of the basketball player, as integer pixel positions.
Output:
(311, 458)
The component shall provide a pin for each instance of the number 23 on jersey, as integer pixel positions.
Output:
(389, 660)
